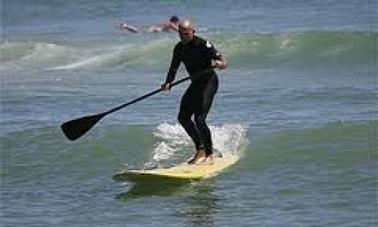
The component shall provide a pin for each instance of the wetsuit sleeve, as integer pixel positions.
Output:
(175, 63)
(214, 54)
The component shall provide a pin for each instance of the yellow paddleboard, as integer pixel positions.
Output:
(183, 171)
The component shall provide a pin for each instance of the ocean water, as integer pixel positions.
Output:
(298, 103)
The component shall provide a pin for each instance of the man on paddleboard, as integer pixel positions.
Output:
(199, 57)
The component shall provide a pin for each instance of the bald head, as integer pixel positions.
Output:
(186, 24)
(186, 31)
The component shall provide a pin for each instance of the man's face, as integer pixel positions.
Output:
(186, 34)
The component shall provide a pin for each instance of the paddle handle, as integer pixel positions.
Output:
(144, 96)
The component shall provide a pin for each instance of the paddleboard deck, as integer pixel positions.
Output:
(182, 171)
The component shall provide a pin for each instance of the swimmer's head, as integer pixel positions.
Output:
(174, 19)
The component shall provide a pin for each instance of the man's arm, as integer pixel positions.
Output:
(173, 26)
(219, 61)
(175, 63)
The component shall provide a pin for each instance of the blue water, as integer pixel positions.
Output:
(298, 103)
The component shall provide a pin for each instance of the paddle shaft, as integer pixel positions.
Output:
(153, 93)
(144, 96)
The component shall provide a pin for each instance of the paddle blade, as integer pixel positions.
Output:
(76, 128)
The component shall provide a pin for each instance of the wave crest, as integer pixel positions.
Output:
(244, 50)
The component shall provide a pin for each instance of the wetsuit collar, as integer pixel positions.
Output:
(191, 42)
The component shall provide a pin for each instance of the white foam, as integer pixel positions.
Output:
(35, 54)
(94, 60)
(47, 51)
(162, 152)
(91, 59)
(228, 138)
(109, 55)
(286, 42)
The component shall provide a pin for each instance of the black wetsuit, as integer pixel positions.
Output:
(197, 100)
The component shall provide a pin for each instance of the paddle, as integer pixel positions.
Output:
(74, 129)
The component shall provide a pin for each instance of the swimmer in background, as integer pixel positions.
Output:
(166, 26)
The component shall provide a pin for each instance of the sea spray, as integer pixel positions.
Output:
(175, 145)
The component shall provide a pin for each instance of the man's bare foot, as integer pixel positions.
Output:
(206, 160)
(209, 159)
(199, 157)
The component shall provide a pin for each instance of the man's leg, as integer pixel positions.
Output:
(209, 91)
(184, 117)
(185, 120)
(205, 133)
